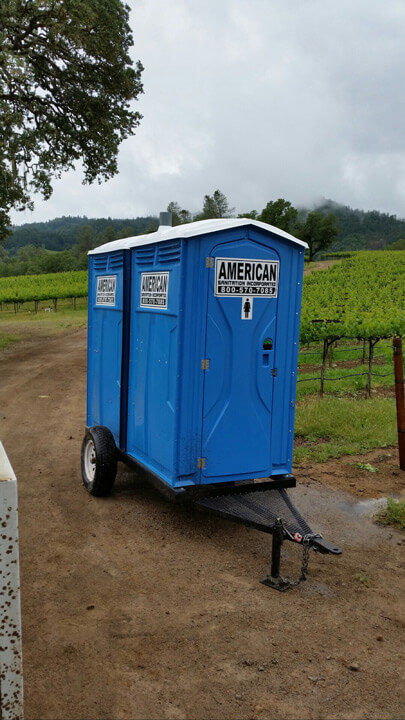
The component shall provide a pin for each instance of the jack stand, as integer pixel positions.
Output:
(274, 580)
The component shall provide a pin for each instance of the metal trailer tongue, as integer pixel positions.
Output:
(268, 508)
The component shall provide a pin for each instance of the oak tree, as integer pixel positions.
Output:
(281, 214)
(66, 84)
(318, 230)
(216, 206)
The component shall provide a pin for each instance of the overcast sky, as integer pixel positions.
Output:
(300, 99)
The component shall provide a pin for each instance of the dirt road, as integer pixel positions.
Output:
(134, 608)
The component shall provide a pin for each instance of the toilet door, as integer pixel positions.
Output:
(239, 354)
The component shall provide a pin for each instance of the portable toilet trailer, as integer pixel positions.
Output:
(193, 338)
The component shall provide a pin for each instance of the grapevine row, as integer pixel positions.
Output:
(362, 297)
(28, 288)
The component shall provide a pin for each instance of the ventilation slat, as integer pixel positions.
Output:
(116, 261)
(169, 252)
(145, 256)
(100, 262)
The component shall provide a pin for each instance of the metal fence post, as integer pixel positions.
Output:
(11, 678)
(399, 395)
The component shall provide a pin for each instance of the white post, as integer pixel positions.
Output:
(11, 679)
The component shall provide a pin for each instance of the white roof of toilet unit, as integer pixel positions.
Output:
(189, 230)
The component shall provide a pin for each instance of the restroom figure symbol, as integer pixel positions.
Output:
(247, 308)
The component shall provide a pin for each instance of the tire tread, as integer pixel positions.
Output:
(106, 460)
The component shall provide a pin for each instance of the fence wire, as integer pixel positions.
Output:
(357, 350)
(343, 377)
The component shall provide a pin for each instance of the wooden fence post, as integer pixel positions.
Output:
(399, 395)
(11, 679)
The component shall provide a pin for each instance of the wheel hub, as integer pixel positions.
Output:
(90, 460)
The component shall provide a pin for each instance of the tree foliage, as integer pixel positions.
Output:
(86, 240)
(215, 206)
(398, 245)
(66, 83)
(252, 215)
(363, 230)
(318, 231)
(179, 215)
(62, 233)
(281, 214)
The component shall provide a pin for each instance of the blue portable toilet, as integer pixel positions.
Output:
(193, 338)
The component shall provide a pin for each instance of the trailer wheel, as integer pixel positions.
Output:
(98, 460)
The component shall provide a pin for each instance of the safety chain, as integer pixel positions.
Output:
(306, 544)
(305, 558)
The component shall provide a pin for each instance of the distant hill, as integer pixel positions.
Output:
(62, 233)
(363, 230)
(358, 229)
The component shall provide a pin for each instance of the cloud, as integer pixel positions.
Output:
(264, 99)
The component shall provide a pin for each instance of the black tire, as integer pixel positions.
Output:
(98, 460)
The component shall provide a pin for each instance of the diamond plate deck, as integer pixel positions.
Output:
(259, 509)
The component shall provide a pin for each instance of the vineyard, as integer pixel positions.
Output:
(36, 288)
(360, 298)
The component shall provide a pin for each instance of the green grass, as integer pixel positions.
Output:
(336, 426)
(7, 339)
(26, 323)
(392, 514)
(366, 466)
